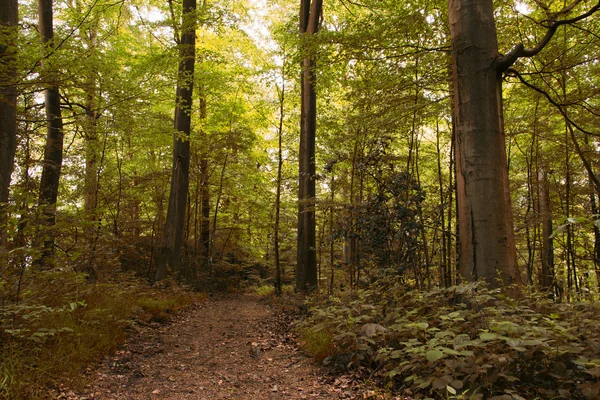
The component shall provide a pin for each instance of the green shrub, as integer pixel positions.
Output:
(49, 338)
(465, 342)
(317, 342)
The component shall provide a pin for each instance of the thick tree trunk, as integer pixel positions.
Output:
(53, 151)
(487, 246)
(306, 266)
(8, 109)
(173, 233)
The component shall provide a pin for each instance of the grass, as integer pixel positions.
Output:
(317, 342)
(50, 340)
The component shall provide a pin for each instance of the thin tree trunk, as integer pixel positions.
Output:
(306, 266)
(90, 130)
(278, 194)
(172, 237)
(594, 191)
(444, 273)
(547, 256)
(213, 233)
(331, 233)
(594, 207)
(53, 151)
(204, 184)
(9, 18)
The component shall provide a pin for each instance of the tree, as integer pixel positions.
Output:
(53, 151)
(173, 233)
(306, 263)
(281, 93)
(8, 103)
(487, 244)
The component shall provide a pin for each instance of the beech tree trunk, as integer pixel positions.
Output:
(487, 245)
(8, 105)
(53, 151)
(173, 233)
(306, 265)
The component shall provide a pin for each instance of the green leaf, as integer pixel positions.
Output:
(449, 351)
(434, 355)
(450, 389)
(487, 336)
(422, 325)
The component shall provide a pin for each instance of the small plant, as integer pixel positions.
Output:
(318, 343)
(462, 342)
(49, 338)
(265, 290)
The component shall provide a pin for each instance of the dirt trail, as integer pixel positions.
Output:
(224, 348)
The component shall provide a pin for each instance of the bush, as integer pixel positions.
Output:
(64, 324)
(466, 342)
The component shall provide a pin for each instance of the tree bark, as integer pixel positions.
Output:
(306, 265)
(204, 188)
(547, 256)
(9, 17)
(53, 151)
(173, 233)
(278, 194)
(487, 246)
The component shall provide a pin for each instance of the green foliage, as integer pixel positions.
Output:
(317, 342)
(268, 290)
(265, 290)
(49, 338)
(466, 341)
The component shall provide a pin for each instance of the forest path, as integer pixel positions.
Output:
(232, 347)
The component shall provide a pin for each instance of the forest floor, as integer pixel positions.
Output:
(226, 347)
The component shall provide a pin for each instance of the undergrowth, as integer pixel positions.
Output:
(62, 325)
(464, 342)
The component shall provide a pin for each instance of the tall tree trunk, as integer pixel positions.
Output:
(594, 207)
(213, 232)
(331, 230)
(487, 245)
(547, 256)
(90, 128)
(444, 272)
(53, 151)
(9, 17)
(204, 188)
(171, 242)
(594, 191)
(278, 194)
(306, 265)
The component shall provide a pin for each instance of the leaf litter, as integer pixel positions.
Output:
(227, 347)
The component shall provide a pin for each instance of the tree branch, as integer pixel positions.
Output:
(516, 74)
(505, 62)
(585, 162)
